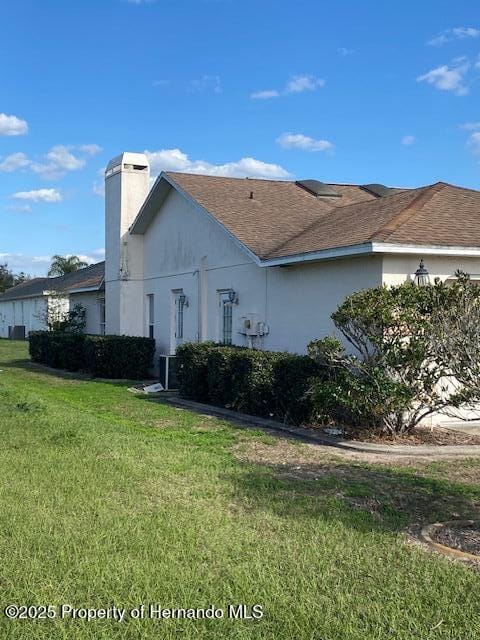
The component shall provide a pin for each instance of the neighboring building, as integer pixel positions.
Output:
(265, 263)
(28, 304)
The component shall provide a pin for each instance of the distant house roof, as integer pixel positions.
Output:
(89, 278)
(279, 220)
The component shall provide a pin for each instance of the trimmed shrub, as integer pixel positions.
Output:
(38, 342)
(102, 356)
(294, 377)
(58, 350)
(192, 370)
(119, 356)
(263, 383)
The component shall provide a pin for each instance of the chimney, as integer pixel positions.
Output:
(127, 179)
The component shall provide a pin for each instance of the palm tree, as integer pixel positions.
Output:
(62, 265)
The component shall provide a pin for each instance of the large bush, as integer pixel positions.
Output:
(192, 370)
(263, 383)
(57, 349)
(119, 356)
(102, 356)
(402, 369)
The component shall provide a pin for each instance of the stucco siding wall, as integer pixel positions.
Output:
(28, 312)
(399, 268)
(186, 250)
(91, 302)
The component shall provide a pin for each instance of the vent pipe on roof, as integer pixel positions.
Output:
(318, 189)
(378, 190)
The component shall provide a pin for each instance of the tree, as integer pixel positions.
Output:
(412, 356)
(8, 279)
(456, 333)
(59, 317)
(62, 265)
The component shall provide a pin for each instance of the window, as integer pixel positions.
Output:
(151, 315)
(179, 308)
(226, 318)
(102, 316)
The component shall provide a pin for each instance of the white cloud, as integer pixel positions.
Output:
(59, 160)
(56, 163)
(300, 141)
(176, 160)
(296, 84)
(343, 51)
(474, 142)
(90, 149)
(265, 95)
(448, 78)
(12, 126)
(458, 33)
(39, 265)
(98, 188)
(20, 208)
(470, 126)
(206, 83)
(299, 84)
(39, 195)
(33, 265)
(408, 140)
(14, 162)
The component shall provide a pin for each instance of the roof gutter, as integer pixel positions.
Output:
(372, 248)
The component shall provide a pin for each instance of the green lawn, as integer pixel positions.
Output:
(111, 499)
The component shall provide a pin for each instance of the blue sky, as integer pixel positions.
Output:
(339, 91)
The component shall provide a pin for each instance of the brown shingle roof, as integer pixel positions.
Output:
(283, 219)
(91, 276)
(277, 211)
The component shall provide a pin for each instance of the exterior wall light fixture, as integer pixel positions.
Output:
(422, 276)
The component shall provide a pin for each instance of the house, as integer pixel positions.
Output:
(265, 263)
(247, 261)
(27, 305)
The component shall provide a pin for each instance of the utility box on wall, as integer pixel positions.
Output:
(168, 372)
(17, 332)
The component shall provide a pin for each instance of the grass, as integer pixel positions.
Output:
(110, 499)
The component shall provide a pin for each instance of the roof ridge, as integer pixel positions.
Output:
(403, 216)
(207, 175)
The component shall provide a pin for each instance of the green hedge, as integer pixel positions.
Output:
(119, 356)
(263, 383)
(102, 356)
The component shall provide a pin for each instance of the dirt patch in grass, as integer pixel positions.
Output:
(464, 538)
(422, 435)
(401, 494)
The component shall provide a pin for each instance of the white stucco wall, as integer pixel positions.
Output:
(400, 267)
(28, 312)
(186, 250)
(91, 301)
(125, 192)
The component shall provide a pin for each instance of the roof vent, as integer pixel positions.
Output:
(318, 189)
(379, 190)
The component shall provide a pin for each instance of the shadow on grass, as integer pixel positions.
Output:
(35, 367)
(359, 496)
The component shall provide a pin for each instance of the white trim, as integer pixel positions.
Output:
(373, 248)
(325, 254)
(426, 249)
(83, 289)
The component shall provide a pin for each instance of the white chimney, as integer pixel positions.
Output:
(127, 179)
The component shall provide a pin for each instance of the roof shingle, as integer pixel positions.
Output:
(280, 219)
(91, 276)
